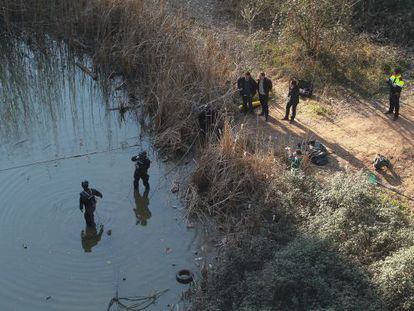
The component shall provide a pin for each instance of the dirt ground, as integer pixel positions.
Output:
(354, 133)
(354, 130)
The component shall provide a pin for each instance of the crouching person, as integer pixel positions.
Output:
(295, 158)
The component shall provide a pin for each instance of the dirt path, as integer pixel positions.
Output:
(355, 135)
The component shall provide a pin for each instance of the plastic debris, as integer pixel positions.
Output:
(175, 187)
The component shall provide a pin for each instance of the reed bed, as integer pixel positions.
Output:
(167, 60)
(233, 175)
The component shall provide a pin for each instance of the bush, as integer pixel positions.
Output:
(358, 222)
(302, 275)
(394, 278)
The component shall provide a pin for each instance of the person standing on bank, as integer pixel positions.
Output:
(247, 89)
(142, 166)
(396, 84)
(264, 86)
(87, 200)
(293, 101)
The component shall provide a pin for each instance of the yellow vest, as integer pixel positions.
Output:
(396, 80)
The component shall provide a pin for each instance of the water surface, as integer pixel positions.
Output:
(49, 109)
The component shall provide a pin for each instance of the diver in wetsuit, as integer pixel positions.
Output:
(141, 169)
(88, 200)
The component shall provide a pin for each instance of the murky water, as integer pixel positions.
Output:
(50, 109)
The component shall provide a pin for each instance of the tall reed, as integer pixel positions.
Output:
(170, 62)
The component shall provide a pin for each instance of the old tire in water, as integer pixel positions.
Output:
(184, 276)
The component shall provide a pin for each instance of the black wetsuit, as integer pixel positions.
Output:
(87, 199)
(293, 102)
(141, 171)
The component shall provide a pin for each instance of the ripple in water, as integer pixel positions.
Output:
(49, 261)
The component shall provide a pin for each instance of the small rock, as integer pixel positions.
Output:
(109, 232)
(24, 246)
(123, 279)
(198, 258)
(168, 250)
(48, 297)
(173, 264)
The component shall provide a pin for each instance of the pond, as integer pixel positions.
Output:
(57, 129)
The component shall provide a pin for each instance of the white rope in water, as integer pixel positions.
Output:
(66, 158)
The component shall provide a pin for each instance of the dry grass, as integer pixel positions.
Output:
(233, 175)
(168, 61)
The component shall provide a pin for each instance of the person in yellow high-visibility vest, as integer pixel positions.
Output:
(396, 84)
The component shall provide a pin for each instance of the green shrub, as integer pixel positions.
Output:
(394, 278)
(358, 222)
(302, 275)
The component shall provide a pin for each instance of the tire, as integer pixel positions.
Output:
(184, 276)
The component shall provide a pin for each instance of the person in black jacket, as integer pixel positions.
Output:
(264, 87)
(142, 166)
(293, 101)
(87, 200)
(247, 89)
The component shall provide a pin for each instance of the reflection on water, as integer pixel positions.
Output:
(90, 237)
(142, 212)
(49, 109)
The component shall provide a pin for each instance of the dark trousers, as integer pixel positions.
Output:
(89, 219)
(394, 104)
(144, 177)
(264, 101)
(293, 105)
(247, 103)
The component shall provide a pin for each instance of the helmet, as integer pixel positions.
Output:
(85, 184)
(142, 154)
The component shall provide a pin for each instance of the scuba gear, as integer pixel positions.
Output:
(88, 198)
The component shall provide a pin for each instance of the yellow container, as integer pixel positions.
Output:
(256, 104)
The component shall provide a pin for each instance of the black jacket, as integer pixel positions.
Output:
(267, 85)
(294, 95)
(394, 89)
(142, 164)
(247, 88)
(87, 199)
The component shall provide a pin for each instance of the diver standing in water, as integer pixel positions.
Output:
(141, 170)
(88, 200)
